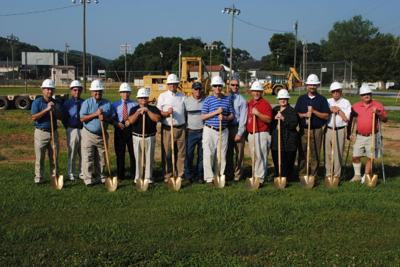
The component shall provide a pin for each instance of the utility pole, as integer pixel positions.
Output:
(11, 39)
(125, 49)
(66, 54)
(304, 59)
(91, 67)
(231, 11)
(210, 47)
(295, 43)
(180, 60)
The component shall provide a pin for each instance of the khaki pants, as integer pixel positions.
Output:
(180, 150)
(211, 152)
(42, 143)
(234, 156)
(263, 141)
(316, 137)
(150, 145)
(74, 150)
(93, 161)
(338, 153)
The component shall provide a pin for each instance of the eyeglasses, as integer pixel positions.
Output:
(236, 85)
(336, 91)
(75, 90)
(217, 85)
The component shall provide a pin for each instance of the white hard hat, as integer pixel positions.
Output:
(217, 80)
(364, 89)
(75, 83)
(256, 86)
(312, 79)
(143, 92)
(125, 87)
(48, 83)
(335, 86)
(172, 78)
(97, 85)
(283, 94)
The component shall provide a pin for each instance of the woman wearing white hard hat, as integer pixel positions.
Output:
(122, 132)
(289, 135)
(151, 115)
(312, 108)
(364, 111)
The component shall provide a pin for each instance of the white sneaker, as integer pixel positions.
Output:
(363, 179)
(356, 178)
(71, 178)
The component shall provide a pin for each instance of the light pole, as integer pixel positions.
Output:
(11, 39)
(295, 43)
(83, 3)
(231, 11)
(125, 49)
(66, 54)
(210, 47)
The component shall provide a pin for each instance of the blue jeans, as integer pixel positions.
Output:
(193, 140)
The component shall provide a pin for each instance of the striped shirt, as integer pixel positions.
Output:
(211, 104)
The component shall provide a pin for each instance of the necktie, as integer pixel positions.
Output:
(125, 112)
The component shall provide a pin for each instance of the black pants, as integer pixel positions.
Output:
(122, 139)
(287, 160)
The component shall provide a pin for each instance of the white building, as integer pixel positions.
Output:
(63, 75)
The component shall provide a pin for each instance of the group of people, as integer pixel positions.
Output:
(204, 127)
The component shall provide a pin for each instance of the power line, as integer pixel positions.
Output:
(36, 11)
(259, 27)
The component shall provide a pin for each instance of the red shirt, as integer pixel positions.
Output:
(262, 106)
(364, 116)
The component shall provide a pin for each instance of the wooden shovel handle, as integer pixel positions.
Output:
(103, 133)
(53, 143)
(143, 145)
(172, 145)
(279, 149)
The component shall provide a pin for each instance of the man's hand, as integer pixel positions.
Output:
(50, 106)
(127, 123)
(170, 111)
(309, 112)
(99, 112)
(145, 110)
(335, 109)
(376, 111)
(238, 138)
(255, 111)
(121, 126)
(221, 117)
(218, 111)
(279, 116)
(101, 117)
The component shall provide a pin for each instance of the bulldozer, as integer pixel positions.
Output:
(193, 70)
(277, 82)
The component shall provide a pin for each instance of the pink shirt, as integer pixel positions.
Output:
(364, 116)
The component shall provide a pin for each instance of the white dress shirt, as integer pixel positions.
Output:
(345, 106)
(168, 100)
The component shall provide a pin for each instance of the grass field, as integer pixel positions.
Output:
(198, 226)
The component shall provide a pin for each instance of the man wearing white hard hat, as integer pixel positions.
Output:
(122, 131)
(216, 107)
(94, 110)
(289, 135)
(73, 126)
(170, 103)
(151, 115)
(312, 108)
(40, 110)
(262, 110)
(340, 110)
(363, 111)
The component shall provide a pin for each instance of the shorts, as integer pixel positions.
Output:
(363, 145)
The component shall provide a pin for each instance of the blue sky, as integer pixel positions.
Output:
(113, 22)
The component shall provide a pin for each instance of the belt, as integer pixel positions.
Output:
(215, 128)
(175, 126)
(195, 131)
(366, 135)
(258, 132)
(43, 129)
(337, 128)
(145, 136)
(78, 127)
(98, 134)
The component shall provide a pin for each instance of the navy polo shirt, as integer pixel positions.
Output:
(319, 103)
(40, 104)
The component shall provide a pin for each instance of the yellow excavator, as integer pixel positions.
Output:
(277, 82)
(193, 70)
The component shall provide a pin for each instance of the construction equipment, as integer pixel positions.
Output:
(332, 180)
(219, 179)
(307, 181)
(193, 70)
(280, 182)
(111, 182)
(253, 183)
(174, 183)
(142, 184)
(371, 179)
(277, 82)
(57, 181)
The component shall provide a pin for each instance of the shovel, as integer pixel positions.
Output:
(219, 179)
(142, 184)
(307, 181)
(173, 182)
(111, 182)
(280, 182)
(57, 181)
(372, 179)
(332, 180)
(253, 183)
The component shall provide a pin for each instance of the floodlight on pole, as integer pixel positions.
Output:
(210, 47)
(11, 39)
(125, 49)
(234, 12)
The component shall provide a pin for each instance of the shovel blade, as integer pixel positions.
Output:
(142, 185)
(371, 180)
(111, 184)
(280, 182)
(175, 183)
(307, 181)
(252, 183)
(219, 181)
(332, 181)
(57, 182)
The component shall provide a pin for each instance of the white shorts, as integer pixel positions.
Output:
(363, 146)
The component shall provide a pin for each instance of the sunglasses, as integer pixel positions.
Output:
(236, 85)
(197, 89)
(365, 95)
(218, 85)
